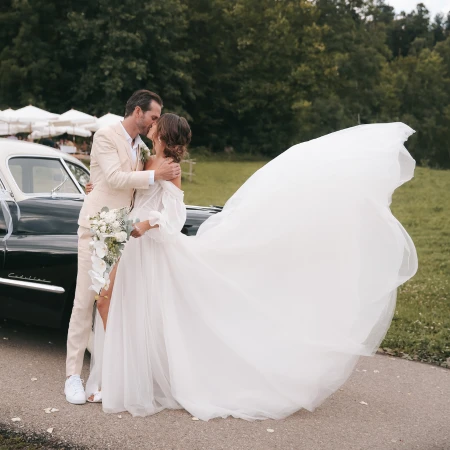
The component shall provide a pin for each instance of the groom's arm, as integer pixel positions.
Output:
(109, 162)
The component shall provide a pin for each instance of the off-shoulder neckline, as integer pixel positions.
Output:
(169, 185)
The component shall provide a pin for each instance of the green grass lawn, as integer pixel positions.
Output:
(421, 326)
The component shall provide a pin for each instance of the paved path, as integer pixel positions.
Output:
(408, 407)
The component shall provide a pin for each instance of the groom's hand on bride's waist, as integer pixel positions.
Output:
(168, 170)
(89, 188)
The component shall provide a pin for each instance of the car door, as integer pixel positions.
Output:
(41, 254)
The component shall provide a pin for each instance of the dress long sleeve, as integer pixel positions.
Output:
(171, 218)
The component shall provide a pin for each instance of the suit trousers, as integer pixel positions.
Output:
(82, 313)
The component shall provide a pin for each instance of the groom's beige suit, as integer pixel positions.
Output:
(115, 176)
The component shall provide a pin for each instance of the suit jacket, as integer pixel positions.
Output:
(112, 171)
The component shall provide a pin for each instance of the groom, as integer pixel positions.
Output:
(116, 171)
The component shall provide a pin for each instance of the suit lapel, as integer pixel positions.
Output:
(124, 145)
(138, 157)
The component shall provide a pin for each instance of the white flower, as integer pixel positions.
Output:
(103, 214)
(116, 225)
(103, 229)
(100, 249)
(110, 217)
(145, 153)
(121, 236)
(98, 265)
(97, 281)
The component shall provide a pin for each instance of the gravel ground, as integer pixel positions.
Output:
(406, 406)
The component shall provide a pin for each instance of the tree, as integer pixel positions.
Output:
(416, 90)
(407, 28)
(121, 47)
(31, 56)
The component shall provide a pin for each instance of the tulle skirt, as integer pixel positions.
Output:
(268, 308)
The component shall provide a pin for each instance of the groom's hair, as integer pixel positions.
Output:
(143, 99)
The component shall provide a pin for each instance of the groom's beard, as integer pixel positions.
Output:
(143, 128)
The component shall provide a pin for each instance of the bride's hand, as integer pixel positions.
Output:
(140, 228)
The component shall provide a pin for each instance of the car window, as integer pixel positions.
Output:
(81, 174)
(41, 175)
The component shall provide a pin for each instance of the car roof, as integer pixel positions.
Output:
(10, 147)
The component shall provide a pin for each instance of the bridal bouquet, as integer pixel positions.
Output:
(110, 231)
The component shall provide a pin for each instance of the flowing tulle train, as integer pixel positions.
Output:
(268, 308)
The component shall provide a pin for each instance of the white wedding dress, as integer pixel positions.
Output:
(268, 308)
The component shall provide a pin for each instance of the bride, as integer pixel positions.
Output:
(267, 309)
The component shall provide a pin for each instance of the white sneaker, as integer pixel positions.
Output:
(74, 390)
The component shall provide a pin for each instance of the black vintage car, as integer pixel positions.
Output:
(38, 261)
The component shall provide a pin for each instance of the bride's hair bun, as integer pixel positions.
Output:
(176, 134)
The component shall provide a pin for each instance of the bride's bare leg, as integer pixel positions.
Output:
(104, 298)
(103, 302)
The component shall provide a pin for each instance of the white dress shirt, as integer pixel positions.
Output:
(134, 149)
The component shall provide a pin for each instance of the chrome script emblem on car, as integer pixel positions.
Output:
(24, 278)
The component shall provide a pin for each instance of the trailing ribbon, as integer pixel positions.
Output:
(4, 197)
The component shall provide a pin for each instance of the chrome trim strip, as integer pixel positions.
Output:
(34, 286)
(63, 162)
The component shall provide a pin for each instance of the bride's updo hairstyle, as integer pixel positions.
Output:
(176, 134)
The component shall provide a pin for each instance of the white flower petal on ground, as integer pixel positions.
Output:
(363, 403)
(50, 430)
(16, 419)
(195, 418)
(54, 410)
(48, 410)
(270, 430)
(34, 379)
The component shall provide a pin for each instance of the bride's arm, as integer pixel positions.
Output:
(171, 218)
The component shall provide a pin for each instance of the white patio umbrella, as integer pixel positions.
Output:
(104, 121)
(73, 118)
(7, 128)
(51, 130)
(29, 114)
(5, 115)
